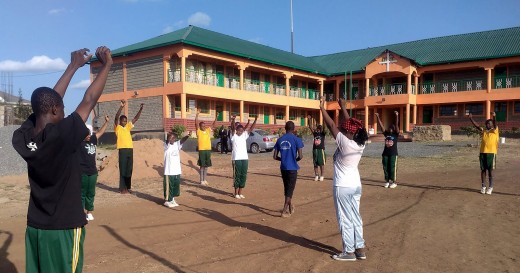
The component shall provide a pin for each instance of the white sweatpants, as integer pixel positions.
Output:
(346, 202)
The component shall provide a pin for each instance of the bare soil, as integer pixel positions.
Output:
(436, 220)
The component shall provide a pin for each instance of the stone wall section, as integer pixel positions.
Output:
(431, 133)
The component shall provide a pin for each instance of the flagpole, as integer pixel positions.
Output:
(292, 31)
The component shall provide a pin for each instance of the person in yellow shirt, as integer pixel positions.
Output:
(488, 151)
(204, 144)
(125, 147)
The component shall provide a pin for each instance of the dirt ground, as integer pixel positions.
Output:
(436, 220)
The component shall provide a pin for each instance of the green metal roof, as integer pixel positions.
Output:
(226, 44)
(448, 49)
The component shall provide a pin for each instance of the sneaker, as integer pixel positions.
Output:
(168, 204)
(174, 204)
(321, 178)
(489, 190)
(241, 196)
(204, 183)
(347, 257)
(387, 185)
(483, 190)
(90, 217)
(286, 214)
(291, 209)
(393, 185)
(238, 196)
(360, 254)
(316, 178)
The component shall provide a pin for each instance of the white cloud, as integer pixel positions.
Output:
(36, 63)
(167, 29)
(83, 84)
(56, 11)
(179, 24)
(200, 19)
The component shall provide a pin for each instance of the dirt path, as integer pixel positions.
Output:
(434, 221)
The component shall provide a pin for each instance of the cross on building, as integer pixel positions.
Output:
(387, 61)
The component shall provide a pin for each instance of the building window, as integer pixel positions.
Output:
(517, 107)
(235, 109)
(474, 109)
(293, 114)
(448, 110)
(204, 106)
(280, 114)
(253, 111)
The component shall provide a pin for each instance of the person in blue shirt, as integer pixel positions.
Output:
(288, 150)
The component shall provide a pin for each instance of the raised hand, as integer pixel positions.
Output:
(141, 106)
(396, 113)
(377, 114)
(322, 102)
(104, 55)
(493, 114)
(470, 115)
(80, 57)
(106, 118)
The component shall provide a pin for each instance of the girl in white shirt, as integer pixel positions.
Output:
(172, 169)
(350, 138)
(239, 156)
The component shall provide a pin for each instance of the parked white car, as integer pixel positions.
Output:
(259, 140)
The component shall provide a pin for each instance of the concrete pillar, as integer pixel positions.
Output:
(489, 80)
(241, 111)
(488, 109)
(287, 87)
(183, 70)
(374, 120)
(241, 79)
(367, 87)
(183, 105)
(409, 84)
(414, 117)
(407, 118)
(366, 117)
(416, 81)
(286, 113)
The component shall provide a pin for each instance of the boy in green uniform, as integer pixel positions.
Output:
(204, 145)
(318, 148)
(390, 154)
(48, 142)
(488, 151)
(89, 172)
(125, 147)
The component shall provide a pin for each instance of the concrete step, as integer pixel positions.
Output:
(381, 138)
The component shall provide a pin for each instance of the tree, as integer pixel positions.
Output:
(21, 111)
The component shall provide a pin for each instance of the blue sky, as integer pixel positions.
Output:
(38, 35)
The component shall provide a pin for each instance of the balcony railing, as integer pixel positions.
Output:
(174, 75)
(507, 82)
(279, 89)
(201, 77)
(388, 89)
(453, 86)
(233, 82)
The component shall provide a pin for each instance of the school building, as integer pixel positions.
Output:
(432, 81)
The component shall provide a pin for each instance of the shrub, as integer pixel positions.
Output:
(470, 131)
(178, 130)
(303, 131)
